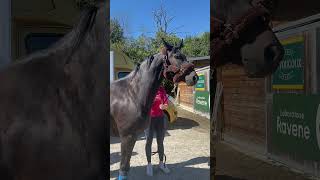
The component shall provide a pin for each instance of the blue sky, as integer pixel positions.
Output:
(191, 17)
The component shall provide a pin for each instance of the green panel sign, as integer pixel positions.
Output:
(200, 86)
(290, 73)
(295, 128)
(201, 101)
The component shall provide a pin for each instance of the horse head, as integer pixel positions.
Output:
(242, 35)
(177, 68)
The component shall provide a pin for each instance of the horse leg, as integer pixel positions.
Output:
(127, 144)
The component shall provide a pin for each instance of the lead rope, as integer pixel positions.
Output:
(165, 157)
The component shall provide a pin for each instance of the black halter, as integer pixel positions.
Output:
(176, 74)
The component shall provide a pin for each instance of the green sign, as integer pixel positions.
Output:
(201, 101)
(290, 73)
(295, 128)
(200, 86)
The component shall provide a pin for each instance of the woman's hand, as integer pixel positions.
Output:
(163, 106)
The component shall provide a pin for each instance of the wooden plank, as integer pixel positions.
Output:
(244, 102)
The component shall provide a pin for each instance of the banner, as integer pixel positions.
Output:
(295, 128)
(201, 101)
(201, 83)
(290, 73)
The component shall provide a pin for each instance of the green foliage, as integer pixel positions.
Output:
(116, 32)
(197, 46)
(138, 49)
(142, 47)
(157, 41)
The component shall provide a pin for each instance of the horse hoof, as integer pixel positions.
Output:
(122, 177)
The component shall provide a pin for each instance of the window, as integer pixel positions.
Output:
(122, 74)
(39, 41)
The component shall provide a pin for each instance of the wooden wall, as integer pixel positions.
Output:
(243, 104)
(186, 95)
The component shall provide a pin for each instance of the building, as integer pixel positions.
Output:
(197, 98)
(200, 62)
(278, 116)
(120, 64)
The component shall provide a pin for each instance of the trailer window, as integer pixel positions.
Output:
(122, 74)
(39, 41)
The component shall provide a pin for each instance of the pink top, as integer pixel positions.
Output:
(161, 98)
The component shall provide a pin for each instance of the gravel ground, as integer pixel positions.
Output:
(187, 149)
(235, 165)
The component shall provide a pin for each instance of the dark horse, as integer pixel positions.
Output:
(131, 97)
(53, 116)
(240, 34)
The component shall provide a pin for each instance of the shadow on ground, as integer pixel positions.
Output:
(179, 171)
(225, 177)
(183, 123)
(180, 123)
(115, 140)
(115, 157)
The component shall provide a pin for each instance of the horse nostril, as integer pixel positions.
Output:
(274, 53)
(195, 78)
(269, 53)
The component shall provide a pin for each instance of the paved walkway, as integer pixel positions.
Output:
(186, 147)
(234, 165)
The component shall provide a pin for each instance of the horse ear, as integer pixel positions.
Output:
(167, 45)
(181, 44)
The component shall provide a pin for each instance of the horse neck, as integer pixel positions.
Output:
(85, 69)
(146, 89)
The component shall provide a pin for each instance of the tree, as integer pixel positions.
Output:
(197, 45)
(116, 32)
(163, 20)
(138, 49)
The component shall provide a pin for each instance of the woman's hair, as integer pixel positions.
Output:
(162, 88)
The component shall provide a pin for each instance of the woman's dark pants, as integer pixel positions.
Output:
(157, 126)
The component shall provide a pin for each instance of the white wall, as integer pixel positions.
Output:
(111, 66)
(5, 32)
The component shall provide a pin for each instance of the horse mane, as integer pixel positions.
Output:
(69, 43)
(136, 69)
(87, 20)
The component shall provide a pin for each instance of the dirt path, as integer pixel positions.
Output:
(186, 147)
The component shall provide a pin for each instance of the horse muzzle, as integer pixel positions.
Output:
(191, 79)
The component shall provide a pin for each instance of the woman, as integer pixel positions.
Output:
(157, 125)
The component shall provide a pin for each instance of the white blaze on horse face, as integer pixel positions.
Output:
(257, 57)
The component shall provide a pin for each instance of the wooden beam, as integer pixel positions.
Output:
(5, 32)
